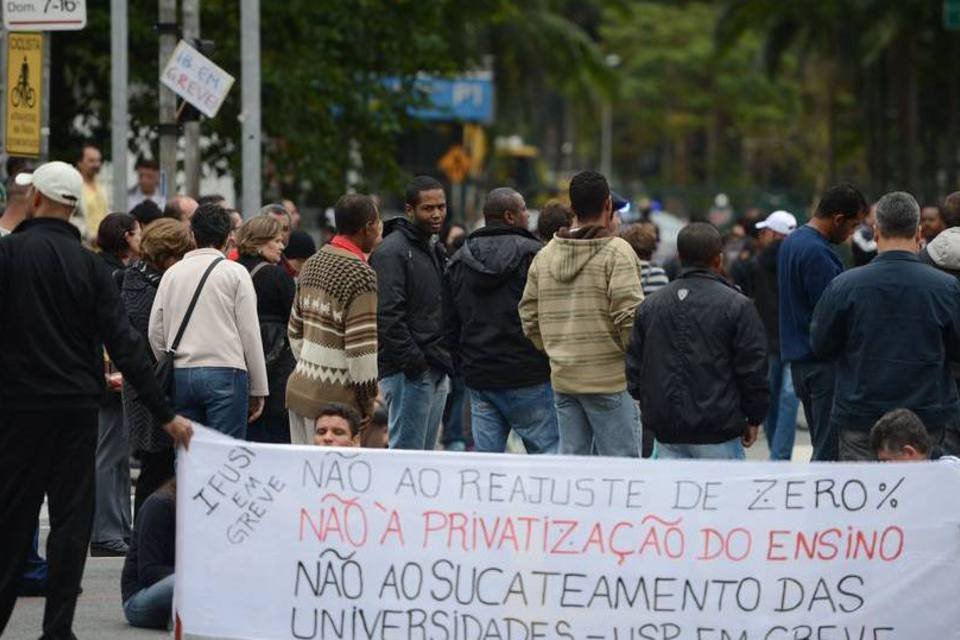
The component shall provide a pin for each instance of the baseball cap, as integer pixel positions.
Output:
(782, 222)
(56, 180)
(620, 204)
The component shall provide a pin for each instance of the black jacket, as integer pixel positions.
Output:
(892, 327)
(275, 290)
(485, 281)
(138, 290)
(762, 287)
(153, 545)
(697, 361)
(59, 305)
(409, 270)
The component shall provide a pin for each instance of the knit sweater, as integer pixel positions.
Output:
(333, 333)
(578, 306)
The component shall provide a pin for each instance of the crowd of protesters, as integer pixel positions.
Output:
(566, 335)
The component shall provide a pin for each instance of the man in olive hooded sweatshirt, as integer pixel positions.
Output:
(578, 306)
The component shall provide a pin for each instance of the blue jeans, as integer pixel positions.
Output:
(530, 411)
(781, 423)
(453, 415)
(216, 397)
(729, 450)
(607, 424)
(35, 571)
(151, 608)
(415, 407)
(813, 382)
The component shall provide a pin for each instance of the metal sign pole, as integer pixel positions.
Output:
(191, 130)
(45, 102)
(168, 101)
(250, 79)
(4, 87)
(119, 71)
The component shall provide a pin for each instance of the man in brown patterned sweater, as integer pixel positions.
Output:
(333, 324)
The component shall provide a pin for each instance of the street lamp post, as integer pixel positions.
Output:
(606, 126)
(250, 89)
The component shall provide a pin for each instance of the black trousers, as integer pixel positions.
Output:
(156, 467)
(814, 383)
(53, 453)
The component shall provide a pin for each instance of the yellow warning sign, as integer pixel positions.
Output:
(24, 80)
(455, 163)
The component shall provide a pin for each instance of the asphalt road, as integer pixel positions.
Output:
(99, 616)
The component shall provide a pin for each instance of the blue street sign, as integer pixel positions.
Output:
(465, 99)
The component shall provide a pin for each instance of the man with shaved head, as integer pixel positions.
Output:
(508, 378)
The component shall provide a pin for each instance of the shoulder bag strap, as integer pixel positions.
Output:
(193, 303)
(257, 268)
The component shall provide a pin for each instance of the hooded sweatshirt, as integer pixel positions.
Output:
(943, 252)
(578, 306)
(485, 280)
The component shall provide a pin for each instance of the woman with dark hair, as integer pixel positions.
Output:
(260, 247)
(163, 244)
(118, 238)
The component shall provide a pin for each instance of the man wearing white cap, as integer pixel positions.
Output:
(780, 425)
(59, 308)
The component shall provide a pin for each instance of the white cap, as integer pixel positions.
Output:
(782, 222)
(56, 180)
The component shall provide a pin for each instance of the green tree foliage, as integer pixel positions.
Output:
(688, 114)
(323, 68)
(897, 63)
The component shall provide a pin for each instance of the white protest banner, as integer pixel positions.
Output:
(306, 542)
(196, 79)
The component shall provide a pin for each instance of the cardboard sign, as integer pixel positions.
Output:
(307, 542)
(196, 79)
(24, 94)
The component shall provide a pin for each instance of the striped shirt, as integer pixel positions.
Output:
(652, 277)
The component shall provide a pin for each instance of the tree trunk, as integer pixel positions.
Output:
(713, 145)
(953, 130)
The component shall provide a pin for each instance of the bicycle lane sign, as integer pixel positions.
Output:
(24, 99)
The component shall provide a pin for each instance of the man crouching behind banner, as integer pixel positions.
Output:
(337, 426)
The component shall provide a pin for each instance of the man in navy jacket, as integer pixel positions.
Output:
(805, 267)
(891, 327)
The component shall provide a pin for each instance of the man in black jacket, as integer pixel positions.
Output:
(892, 326)
(508, 378)
(413, 361)
(697, 360)
(780, 425)
(59, 306)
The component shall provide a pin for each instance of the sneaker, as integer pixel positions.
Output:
(111, 548)
(456, 445)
